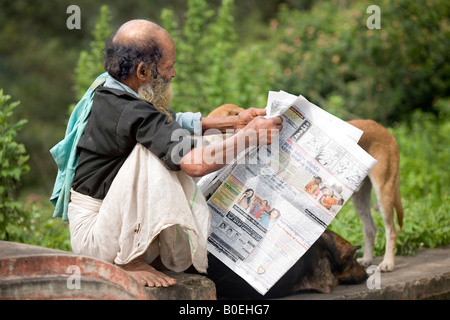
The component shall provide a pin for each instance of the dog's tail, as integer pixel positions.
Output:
(398, 202)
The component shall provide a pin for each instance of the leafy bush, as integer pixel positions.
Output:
(22, 221)
(380, 74)
(13, 158)
(213, 68)
(90, 64)
(204, 48)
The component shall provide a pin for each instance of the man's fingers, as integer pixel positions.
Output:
(259, 112)
(277, 120)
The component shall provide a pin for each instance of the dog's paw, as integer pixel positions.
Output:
(386, 266)
(364, 262)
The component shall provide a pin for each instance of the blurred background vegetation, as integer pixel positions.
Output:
(235, 52)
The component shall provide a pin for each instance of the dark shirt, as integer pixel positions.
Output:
(117, 122)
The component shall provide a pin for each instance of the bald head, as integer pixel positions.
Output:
(136, 32)
(134, 43)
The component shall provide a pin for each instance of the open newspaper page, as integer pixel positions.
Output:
(269, 209)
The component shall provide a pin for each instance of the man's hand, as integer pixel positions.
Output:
(206, 159)
(265, 130)
(235, 123)
(246, 116)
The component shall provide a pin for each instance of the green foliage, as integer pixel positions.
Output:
(201, 43)
(90, 64)
(212, 67)
(13, 165)
(252, 77)
(425, 151)
(380, 74)
(22, 221)
(43, 229)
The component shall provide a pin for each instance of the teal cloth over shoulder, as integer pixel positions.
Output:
(65, 152)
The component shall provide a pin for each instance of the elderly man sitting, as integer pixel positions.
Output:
(133, 201)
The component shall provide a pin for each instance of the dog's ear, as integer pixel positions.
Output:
(343, 261)
(354, 249)
(340, 248)
(349, 270)
(349, 252)
(320, 278)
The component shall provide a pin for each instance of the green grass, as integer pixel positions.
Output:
(424, 225)
(42, 229)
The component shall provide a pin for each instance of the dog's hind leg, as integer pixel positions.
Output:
(361, 202)
(386, 198)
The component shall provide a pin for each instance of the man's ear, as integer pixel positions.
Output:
(143, 72)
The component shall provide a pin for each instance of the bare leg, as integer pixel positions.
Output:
(145, 274)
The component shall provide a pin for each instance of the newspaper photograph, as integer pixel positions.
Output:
(266, 213)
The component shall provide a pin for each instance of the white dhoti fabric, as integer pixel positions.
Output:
(149, 211)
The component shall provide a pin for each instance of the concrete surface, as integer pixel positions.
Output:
(37, 273)
(27, 270)
(426, 275)
(188, 287)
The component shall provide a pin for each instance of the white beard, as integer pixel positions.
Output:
(159, 93)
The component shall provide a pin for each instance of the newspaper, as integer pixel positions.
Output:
(272, 203)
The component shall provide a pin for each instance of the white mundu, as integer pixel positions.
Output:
(148, 211)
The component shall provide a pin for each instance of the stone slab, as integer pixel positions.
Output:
(33, 272)
(426, 275)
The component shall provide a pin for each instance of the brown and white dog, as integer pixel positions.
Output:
(384, 178)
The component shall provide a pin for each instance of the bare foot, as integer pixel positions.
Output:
(145, 274)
